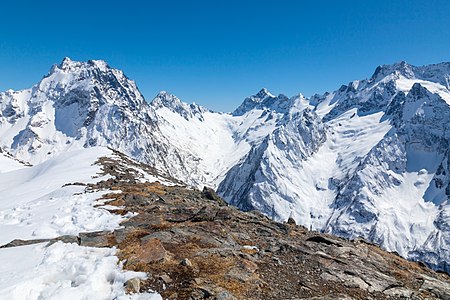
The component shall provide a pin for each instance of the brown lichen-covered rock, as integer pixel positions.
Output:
(150, 251)
(210, 194)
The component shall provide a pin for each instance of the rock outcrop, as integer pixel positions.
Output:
(194, 247)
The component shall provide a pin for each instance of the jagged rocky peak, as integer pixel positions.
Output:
(173, 103)
(80, 89)
(79, 68)
(420, 101)
(438, 73)
(68, 64)
(263, 100)
(93, 81)
(80, 104)
(400, 68)
(351, 87)
(262, 94)
(166, 99)
(418, 91)
(253, 102)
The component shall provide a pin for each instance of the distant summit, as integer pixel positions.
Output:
(262, 100)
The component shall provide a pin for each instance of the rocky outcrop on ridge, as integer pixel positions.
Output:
(194, 246)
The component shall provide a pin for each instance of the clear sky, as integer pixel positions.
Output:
(218, 52)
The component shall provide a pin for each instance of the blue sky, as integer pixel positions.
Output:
(218, 52)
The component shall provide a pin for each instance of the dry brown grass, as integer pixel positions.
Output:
(143, 189)
(110, 196)
(131, 242)
(156, 188)
(249, 251)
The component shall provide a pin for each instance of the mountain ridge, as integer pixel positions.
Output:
(336, 162)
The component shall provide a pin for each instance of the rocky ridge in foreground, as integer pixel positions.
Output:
(193, 245)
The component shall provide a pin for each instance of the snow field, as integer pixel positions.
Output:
(49, 200)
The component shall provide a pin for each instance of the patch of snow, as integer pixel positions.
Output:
(49, 200)
(249, 247)
(405, 85)
(36, 202)
(8, 164)
(64, 271)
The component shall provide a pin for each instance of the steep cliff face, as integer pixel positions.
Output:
(269, 171)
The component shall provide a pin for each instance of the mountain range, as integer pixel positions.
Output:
(371, 159)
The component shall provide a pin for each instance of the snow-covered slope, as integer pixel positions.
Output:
(65, 271)
(50, 200)
(217, 141)
(9, 163)
(369, 159)
(40, 202)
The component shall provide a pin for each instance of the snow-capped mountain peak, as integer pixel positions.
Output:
(71, 66)
(173, 103)
(434, 77)
(264, 100)
(165, 99)
(262, 94)
(77, 104)
(66, 63)
(400, 68)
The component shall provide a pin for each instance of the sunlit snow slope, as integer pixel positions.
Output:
(49, 200)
